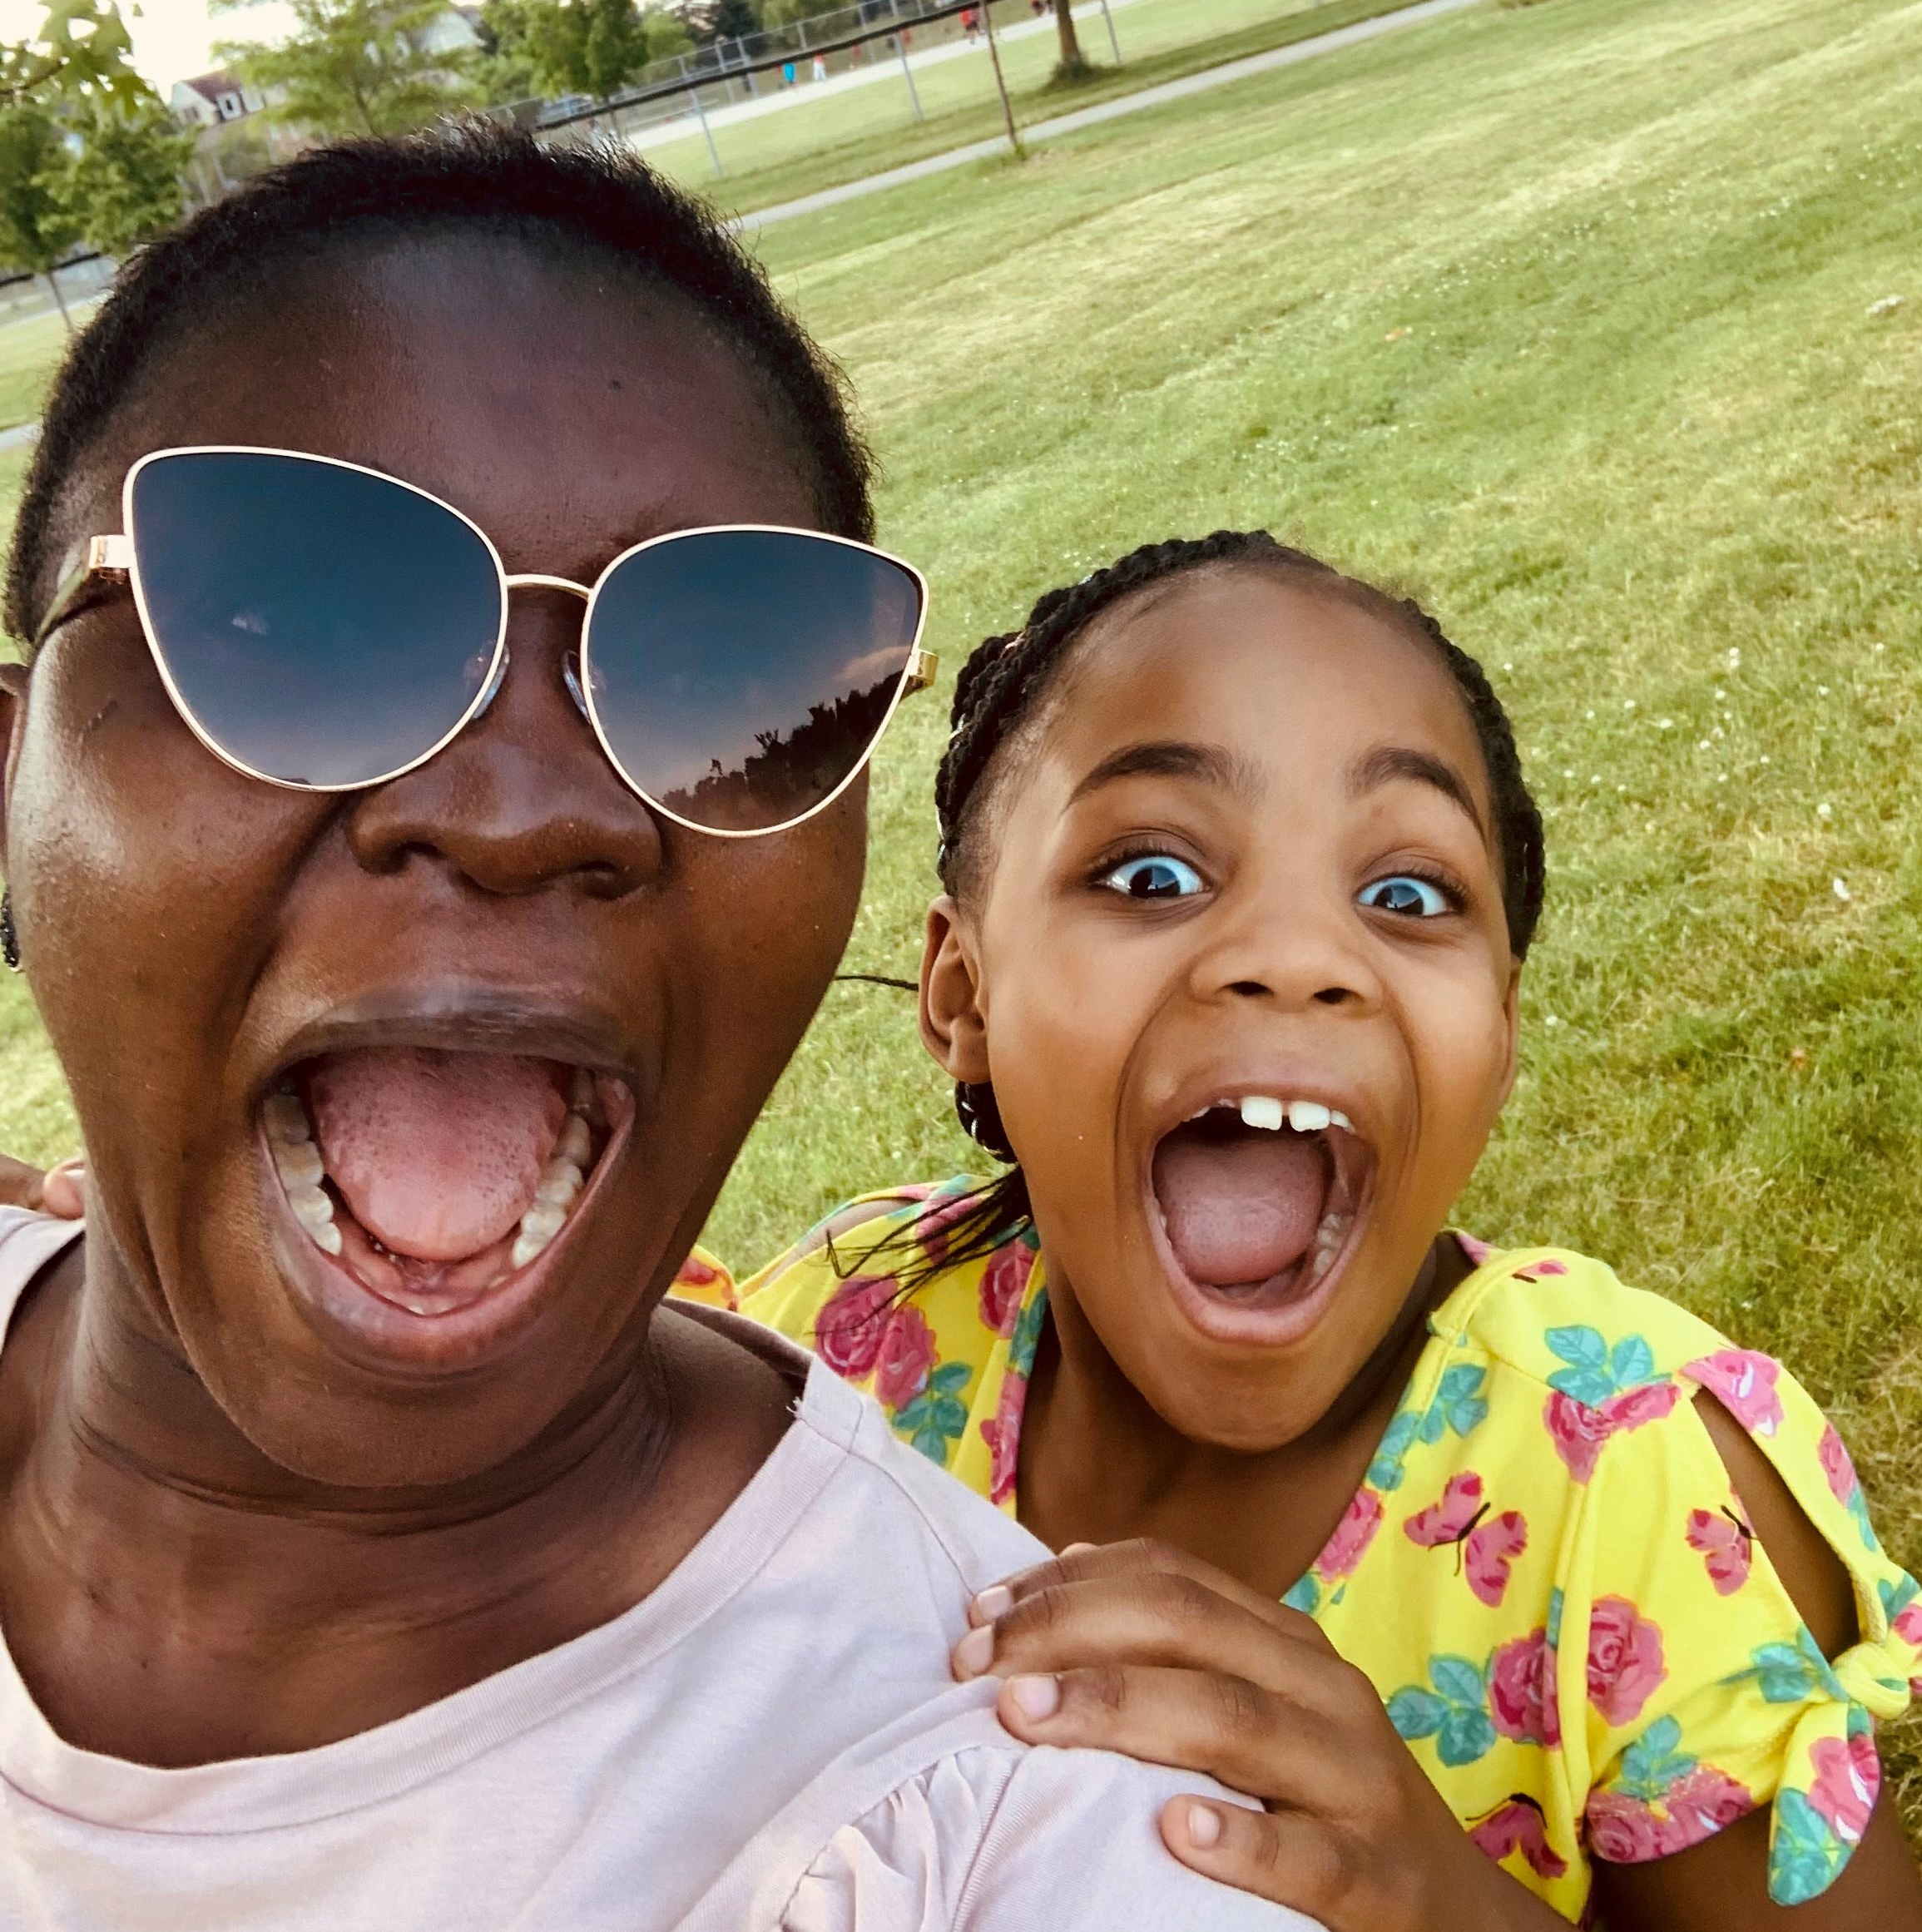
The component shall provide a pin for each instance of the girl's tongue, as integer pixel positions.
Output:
(437, 1155)
(1241, 1206)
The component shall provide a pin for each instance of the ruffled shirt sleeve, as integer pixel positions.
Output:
(1702, 1694)
(1044, 1841)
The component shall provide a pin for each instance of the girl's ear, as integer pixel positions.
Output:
(1512, 1022)
(953, 1028)
(13, 724)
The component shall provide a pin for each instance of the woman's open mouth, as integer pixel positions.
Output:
(434, 1178)
(1257, 1203)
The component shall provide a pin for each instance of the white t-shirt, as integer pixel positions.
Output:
(770, 1740)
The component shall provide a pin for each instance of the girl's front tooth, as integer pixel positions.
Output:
(1341, 1120)
(1308, 1117)
(1262, 1110)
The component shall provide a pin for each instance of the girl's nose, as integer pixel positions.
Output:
(1295, 953)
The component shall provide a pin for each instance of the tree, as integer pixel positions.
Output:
(353, 67)
(37, 227)
(562, 46)
(1073, 65)
(728, 20)
(123, 186)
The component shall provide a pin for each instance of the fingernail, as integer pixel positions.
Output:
(996, 1600)
(1204, 1827)
(1038, 1697)
(975, 1651)
(1079, 1548)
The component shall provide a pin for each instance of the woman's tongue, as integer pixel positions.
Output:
(436, 1154)
(1240, 1211)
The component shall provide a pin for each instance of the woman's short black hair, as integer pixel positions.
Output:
(472, 177)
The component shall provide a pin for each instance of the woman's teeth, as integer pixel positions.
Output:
(297, 1161)
(1305, 1117)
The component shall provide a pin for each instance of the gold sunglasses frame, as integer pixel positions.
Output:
(115, 558)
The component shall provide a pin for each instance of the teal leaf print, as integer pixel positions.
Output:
(1632, 1361)
(1595, 1371)
(1653, 1762)
(1305, 1595)
(1455, 1713)
(1025, 1340)
(1804, 1855)
(1459, 1405)
(933, 1422)
(1789, 1673)
(1417, 1713)
(1896, 1597)
(1465, 1736)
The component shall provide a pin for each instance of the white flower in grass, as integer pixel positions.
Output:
(1840, 891)
(1734, 658)
(1824, 811)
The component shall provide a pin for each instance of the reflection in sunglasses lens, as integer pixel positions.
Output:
(740, 675)
(322, 626)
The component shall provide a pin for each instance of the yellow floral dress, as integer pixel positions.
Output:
(1546, 1574)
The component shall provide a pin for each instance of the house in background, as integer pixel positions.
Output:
(211, 99)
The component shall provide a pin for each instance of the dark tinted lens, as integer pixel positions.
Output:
(739, 676)
(323, 626)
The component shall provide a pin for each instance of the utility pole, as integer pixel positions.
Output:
(1000, 81)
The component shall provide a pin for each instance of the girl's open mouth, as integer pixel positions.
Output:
(1258, 1201)
(433, 1177)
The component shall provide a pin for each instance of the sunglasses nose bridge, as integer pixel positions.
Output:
(570, 667)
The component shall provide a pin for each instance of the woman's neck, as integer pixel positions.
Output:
(172, 1596)
(1098, 1464)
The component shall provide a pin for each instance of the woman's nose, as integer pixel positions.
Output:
(524, 798)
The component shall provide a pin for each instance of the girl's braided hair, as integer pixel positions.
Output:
(1000, 692)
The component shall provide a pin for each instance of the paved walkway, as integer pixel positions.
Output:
(1136, 103)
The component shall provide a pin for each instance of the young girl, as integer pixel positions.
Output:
(1240, 870)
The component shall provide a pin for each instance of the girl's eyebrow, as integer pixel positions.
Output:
(1389, 762)
(1175, 758)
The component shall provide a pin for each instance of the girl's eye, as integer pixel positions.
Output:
(1154, 877)
(1414, 897)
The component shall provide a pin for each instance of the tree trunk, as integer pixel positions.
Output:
(1072, 59)
(53, 283)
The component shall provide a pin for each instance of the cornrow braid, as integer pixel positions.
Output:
(1000, 691)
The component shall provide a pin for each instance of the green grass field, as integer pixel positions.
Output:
(841, 136)
(1572, 317)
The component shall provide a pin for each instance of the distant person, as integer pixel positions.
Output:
(787, 73)
(820, 68)
(970, 24)
(1240, 873)
(374, 1552)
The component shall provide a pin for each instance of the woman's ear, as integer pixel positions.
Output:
(13, 724)
(953, 1028)
(1512, 1022)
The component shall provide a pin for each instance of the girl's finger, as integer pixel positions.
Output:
(1169, 1620)
(20, 1185)
(63, 1191)
(1284, 1857)
(1266, 1745)
(1141, 1557)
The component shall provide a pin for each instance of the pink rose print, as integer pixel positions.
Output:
(1352, 1536)
(1002, 1284)
(1726, 1545)
(1848, 1776)
(1909, 1625)
(931, 1226)
(1449, 1520)
(1551, 1267)
(848, 1331)
(1836, 1466)
(1522, 1691)
(1518, 1827)
(1700, 1803)
(1478, 1251)
(1744, 1383)
(1001, 1433)
(907, 1354)
(1578, 1431)
(1491, 1548)
(1623, 1829)
(1625, 1662)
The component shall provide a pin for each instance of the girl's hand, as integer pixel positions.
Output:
(1139, 1649)
(58, 1191)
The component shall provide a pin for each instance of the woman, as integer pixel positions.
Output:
(369, 1552)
